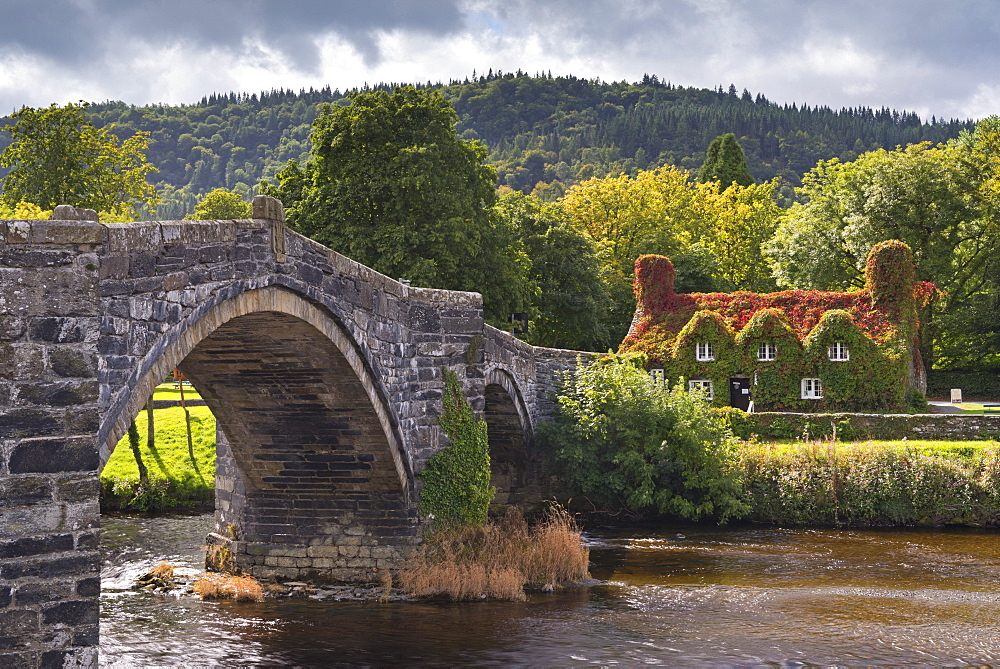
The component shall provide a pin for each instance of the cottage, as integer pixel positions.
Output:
(792, 350)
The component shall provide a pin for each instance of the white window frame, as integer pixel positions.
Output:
(704, 351)
(657, 375)
(767, 352)
(702, 384)
(812, 389)
(838, 352)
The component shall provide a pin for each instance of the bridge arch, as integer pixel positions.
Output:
(312, 479)
(511, 435)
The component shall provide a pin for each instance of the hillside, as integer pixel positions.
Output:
(542, 131)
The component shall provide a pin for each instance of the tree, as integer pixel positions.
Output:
(391, 185)
(568, 300)
(221, 204)
(58, 157)
(725, 163)
(657, 211)
(934, 198)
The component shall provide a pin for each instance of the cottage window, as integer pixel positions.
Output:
(767, 352)
(657, 375)
(812, 389)
(704, 352)
(838, 352)
(702, 384)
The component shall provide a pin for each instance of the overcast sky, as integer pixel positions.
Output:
(935, 57)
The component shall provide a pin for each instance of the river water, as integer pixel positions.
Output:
(677, 595)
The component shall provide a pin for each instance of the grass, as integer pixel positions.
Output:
(975, 407)
(226, 586)
(499, 560)
(177, 479)
(169, 391)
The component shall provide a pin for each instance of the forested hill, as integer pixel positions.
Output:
(543, 132)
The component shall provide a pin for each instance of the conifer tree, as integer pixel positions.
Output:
(726, 163)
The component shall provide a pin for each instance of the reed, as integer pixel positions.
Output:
(498, 560)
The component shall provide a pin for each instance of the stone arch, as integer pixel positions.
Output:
(168, 356)
(312, 479)
(511, 436)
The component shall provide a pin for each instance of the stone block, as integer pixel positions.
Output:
(24, 491)
(37, 567)
(72, 363)
(63, 330)
(21, 423)
(78, 612)
(134, 237)
(36, 546)
(65, 232)
(78, 490)
(54, 454)
(16, 623)
(42, 592)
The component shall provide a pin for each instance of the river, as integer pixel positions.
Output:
(670, 595)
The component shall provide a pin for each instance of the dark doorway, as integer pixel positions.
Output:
(739, 392)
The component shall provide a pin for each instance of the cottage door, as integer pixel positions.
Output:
(739, 392)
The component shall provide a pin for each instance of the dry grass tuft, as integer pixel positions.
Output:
(225, 586)
(163, 571)
(499, 560)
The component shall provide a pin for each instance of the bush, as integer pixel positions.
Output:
(979, 385)
(626, 442)
(823, 483)
(457, 490)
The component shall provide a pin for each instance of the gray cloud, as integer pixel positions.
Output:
(67, 31)
(923, 55)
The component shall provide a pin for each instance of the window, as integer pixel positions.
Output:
(812, 389)
(838, 352)
(657, 375)
(702, 384)
(704, 352)
(767, 352)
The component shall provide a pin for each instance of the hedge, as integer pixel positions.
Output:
(980, 385)
(860, 426)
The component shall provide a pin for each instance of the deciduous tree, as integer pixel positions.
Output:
(58, 157)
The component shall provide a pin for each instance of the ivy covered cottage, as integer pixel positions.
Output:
(793, 350)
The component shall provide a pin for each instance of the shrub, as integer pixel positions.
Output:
(457, 490)
(628, 442)
(871, 485)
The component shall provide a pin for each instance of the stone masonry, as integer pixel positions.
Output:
(324, 376)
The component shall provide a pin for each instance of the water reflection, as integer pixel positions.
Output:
(733, 596)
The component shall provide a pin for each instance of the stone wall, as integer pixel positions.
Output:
(49, 324)
(949, 427)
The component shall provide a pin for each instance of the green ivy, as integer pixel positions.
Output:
(457, 488)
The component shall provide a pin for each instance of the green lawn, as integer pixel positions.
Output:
(169, 391)
(975, 407)
(176, 479)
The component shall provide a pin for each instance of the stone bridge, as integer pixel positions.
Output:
(324, 376)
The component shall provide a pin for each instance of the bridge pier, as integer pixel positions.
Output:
(49, 514)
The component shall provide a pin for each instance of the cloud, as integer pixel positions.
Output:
(920, 55)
